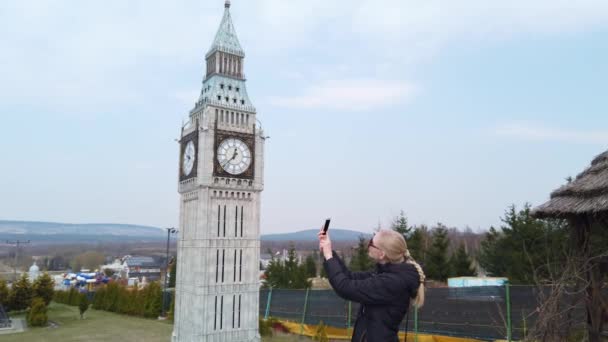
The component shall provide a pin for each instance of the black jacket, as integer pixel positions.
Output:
(384, 296)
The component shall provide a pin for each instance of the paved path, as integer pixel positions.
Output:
(18, 326)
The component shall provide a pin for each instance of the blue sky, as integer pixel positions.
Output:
(448, 111)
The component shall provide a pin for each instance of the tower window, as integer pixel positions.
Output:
(221, 86)
(229, 87)
(242, 102)
(219, 98)
(238, 89)
(234, 100)
(227, 99)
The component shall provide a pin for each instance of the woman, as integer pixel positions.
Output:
(384, 294)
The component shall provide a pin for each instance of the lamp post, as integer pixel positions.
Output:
(169, 232)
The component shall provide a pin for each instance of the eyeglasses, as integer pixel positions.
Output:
(371, 242)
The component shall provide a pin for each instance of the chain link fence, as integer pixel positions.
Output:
(485, 312)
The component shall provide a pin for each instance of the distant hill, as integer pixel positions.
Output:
(303, 235)
(54, 232)
(68, 232)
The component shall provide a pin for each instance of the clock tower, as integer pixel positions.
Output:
(220, 182)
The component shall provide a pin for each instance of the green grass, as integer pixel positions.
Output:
(102, 326)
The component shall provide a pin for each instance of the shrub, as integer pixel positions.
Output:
(265, 327)
(83, 305)
(321, 333)
(153, 300)
(37, 317)
(43, 287)
(4, 293)
(20, 297)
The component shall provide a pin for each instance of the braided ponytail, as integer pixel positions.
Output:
(419, 299)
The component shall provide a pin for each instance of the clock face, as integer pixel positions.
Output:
(188, 159)
(234, 156)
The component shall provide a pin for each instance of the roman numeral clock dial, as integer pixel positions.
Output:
(234, 156)
(188, 158)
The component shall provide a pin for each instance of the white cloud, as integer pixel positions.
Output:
(351, 95)
(68, 55)
(530, 131)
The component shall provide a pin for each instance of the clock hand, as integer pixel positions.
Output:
(234, 154)
(228, 161)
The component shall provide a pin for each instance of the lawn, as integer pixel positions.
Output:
(102, 326)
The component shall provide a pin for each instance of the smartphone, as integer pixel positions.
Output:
(326, 226)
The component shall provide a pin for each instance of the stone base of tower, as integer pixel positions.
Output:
(236, 336)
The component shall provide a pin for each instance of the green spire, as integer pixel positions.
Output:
(225, 38)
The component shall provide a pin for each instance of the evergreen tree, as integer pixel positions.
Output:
(491, 256)
(360, 260)
(319, 259)
(400, 225)
(295, 274)
(525, 247)
(37, 317)
(110, 302)
(43, 287)
(154, 300)
(275, 274)
(20, 297)
(418, 243)
(73, 297)
(4, 293)
(310, 267)
(460, 263)
(288, 274)
(98, 300)
(83, 304)
(173, 273)
(437, 266)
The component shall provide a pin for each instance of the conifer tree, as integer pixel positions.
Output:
(4, 294)
(437, 266)
(400, 225)
(83, 304)
(99, 298)
(360, 260)
(310, 267)
(20, 297)
(418, 243)
(153, 300)
(37, 316)
(43, 287)
(460, 263)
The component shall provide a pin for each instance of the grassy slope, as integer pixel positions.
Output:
(101, 326)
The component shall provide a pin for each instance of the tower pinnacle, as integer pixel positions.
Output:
(227, 4)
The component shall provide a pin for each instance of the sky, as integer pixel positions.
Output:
(449, 111)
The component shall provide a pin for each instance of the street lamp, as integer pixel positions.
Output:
(169, 232)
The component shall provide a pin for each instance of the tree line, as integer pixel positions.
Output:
(524, 249)
(30, 297)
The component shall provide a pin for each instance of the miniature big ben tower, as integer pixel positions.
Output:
(220, 182)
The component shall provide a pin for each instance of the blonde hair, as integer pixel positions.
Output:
(395, 249)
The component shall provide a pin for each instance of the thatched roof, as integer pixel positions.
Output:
(587, 194)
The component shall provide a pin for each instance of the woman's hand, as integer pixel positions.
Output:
(325, 245)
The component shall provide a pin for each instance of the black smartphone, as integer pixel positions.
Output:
(326, 226)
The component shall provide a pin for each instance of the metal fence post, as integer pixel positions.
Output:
(268, 303)
(508, 299)
(349, 317)
(416, 323)
(304, 312)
